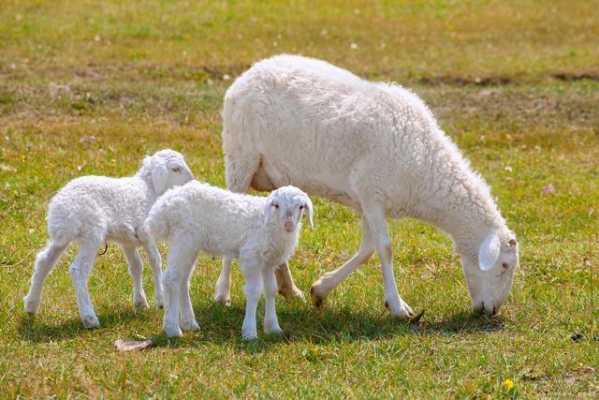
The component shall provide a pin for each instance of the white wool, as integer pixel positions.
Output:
(92, 210)
(373, 146)
(261, 232)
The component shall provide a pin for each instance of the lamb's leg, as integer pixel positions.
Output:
(287, 287)
(180, 262)
(253, 290)
(156, 263)
(45, 260)
(375, 216)
(80, 269)
(330, 280)
(222, 293)
(135, 269)
(239, 172)
(271, 322)
(188, 319)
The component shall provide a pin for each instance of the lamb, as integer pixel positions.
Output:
(261, 232)
(375, 147)
(93, 209)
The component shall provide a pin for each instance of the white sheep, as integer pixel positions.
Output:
(261, 232)
(375, 147)
(93, 209)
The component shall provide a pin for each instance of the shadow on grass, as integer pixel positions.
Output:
(41, 332)
(222, 325)
(302, 323)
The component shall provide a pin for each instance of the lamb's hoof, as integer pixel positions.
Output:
(270, 329)
(141, 304)
(30, 306)
(173, 331)
(317, 299)
(222, 299)
(249, 336)
(189, 326)
(90, 321)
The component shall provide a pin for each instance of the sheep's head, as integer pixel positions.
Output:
(490, 270)
(166, 169)
(286, 205)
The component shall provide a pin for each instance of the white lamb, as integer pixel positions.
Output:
(93, 209)
(261, 232)
(375, 147)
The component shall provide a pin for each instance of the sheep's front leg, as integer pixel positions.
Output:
(135, 269)
(253, 290)
(271, 322)
(375, 216)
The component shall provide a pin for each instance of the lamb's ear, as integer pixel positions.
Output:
(159, 175)
(489, 252)
(267, 210)
(309, 212)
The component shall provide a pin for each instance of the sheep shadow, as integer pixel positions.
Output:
(222, 325)
(32, 330)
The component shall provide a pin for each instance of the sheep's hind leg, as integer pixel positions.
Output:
(375, 216)
(45, 260)
(222, 292)
(321, 288)
(80, 269)
(286, 285)
(135, 269)
(180, 262)
(156, 263)
(188, 319)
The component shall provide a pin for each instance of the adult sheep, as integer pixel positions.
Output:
(376, 147)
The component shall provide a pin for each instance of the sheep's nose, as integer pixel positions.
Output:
(288, 225)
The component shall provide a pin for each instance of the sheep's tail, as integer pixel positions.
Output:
(156, 224)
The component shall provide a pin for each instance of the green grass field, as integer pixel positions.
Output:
(90, 87)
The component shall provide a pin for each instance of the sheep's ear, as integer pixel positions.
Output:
(159, 175)
(488, 254)
(309, 212)
(267, 210)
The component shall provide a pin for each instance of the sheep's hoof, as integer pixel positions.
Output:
(249, 336)
(415, 319)
(317, 300)
(90, 321)
(30, 306)
(173, 331)
(292, 293)
(224, 300)
(189, 326)
(141, 304)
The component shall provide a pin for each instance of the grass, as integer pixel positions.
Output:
(91, 87)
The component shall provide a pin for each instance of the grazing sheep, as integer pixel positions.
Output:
(261, 232)
(93, 209)
(375, 147)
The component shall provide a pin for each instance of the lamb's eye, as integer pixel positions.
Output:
(505, 265)
(301, 207)
(177, 169)
(275, 205)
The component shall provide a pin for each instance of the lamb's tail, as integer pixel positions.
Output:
(156, 224)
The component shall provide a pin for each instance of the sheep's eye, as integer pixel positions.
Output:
(275, 205)
(177, 169)
(505, 265)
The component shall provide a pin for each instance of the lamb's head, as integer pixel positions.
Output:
(489, 268)
(165, 169)
(285, 207)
